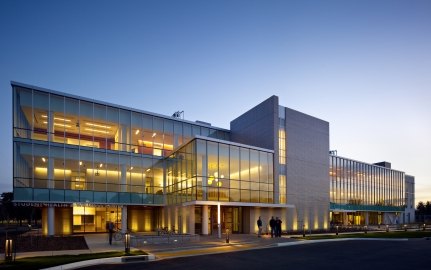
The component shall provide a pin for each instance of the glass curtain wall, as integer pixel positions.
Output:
(214, 171)
(72, 150)
(354, 183)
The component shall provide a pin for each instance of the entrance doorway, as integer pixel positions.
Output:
(230, 218)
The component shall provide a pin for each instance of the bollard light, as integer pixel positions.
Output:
(365, 229)
(405, 227)
(8, 250)
(303, 230)
(127, 242)
(387, 228)
(227, 235)
(336, 233)
(424, 226)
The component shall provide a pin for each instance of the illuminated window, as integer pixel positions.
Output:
(282, 145)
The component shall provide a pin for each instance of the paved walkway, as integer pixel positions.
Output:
(200, 245)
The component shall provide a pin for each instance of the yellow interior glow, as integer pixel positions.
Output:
(97, 131)
(58, 124)
(97, 125)
(57, 118)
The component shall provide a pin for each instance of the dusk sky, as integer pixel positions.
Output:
(363, 66)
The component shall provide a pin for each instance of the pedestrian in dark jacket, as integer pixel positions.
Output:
(259, 227)
(272, 225)
(111, 231)
(278, 227)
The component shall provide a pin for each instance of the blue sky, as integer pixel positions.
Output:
(364, 66)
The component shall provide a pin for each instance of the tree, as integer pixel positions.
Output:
(7, 206)
(420, 208)
(428, 208)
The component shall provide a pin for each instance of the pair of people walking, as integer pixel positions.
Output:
(275, 225)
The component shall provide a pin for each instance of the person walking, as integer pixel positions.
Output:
(111, 231)
(259, 227)
(272, 225)
(278, 227)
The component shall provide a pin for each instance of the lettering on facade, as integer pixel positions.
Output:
(35, 204)
(63, 205)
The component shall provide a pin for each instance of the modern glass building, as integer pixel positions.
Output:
(87, 162)
(363, 194)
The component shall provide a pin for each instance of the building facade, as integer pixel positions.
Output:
(369, 194)
(87, 162)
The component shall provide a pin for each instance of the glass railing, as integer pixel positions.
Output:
(85, 196)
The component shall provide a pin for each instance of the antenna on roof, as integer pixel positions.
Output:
(178, 114)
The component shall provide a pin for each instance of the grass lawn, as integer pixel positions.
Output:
(49, 261)
(396, 234)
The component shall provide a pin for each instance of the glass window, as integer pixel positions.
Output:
(125, 163)
(212, 173)
(157, 136)
(23, 119)
(113, 176)
(234, 162)
(205, 131)
(254, 166)
(124, 132)
(158, 176)
(103, 131)
(112, 120)
(187, 132)
(147, 164)
(245, 164)
(72, 163)
(88, 166)
(168, 139)
(137, 132)
(178, 134)
(87, 125)
(196, 130)
(23, 164)
(72, 115)
(100, 171)
(201, 157)
(60, 122)
(263, 168)
(40, 114)
(59, 172)
(223, 161)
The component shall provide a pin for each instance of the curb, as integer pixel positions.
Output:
(123, 259)
(304, 242)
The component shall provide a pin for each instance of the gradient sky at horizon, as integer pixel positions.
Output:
(363, 66)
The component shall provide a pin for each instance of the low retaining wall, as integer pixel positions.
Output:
(142, 240)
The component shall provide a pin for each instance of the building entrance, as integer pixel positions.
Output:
(230, 218)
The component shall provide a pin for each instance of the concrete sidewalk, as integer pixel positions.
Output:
(98, 243)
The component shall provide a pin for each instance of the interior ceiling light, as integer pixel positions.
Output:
(137, 132)
(97, 131)
(148, 170)
(58, 124)
(43, 159)
(80, 163)
(100, 165)
(58, 118)
(97, 125)
(154, 135)
(131, 168)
